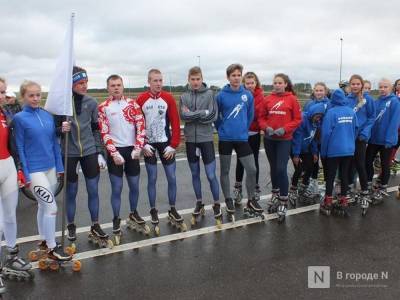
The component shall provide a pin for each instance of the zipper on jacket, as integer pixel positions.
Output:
(78, 131)
(40, 120)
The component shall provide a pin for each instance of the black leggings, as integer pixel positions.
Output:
(358, 163)
(384, 153)
(254, 142)
(89, 165)
(306, 166)
(332, 164)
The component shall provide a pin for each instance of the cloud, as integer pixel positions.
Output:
(300, 38)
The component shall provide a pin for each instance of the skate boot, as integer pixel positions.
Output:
(326, 206)
(176, 220)
(230, 209)
(282, 208)
(257, 193)
(57, 254)
(253, 209)
(135, 222)
(71, 249)
(293, 195)
(217, 214)
(307, 197)
(375, 194)
(99, 237)
(198, 211)
(15, 267)
(117, 231)
(3, 288)
(57, 257)
(155, 221)
(237, 193)
(273, 203)
(39, 253)
(364, 202)
(341, 208)
(352, 197)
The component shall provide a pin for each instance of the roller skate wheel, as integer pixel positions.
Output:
(398, 195)
(42, 264)
(110, 244)
(54, 266)
(193, 220)
(219, 223)
(70, 250)
(117, 240)
(183, 227)
(146, 229)
(33, 256)
(76, 266)
(157, 231)
(202, 212)
(232, 218)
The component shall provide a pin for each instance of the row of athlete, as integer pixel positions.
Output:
(128, 127)
(347, 131)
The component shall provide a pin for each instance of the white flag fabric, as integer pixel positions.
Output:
(59, 99)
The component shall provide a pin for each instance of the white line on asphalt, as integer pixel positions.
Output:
(183, 235)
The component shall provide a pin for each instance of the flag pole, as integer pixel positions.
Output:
(64, 198)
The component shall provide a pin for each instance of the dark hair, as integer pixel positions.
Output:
(232, 68)
(77, 69)
(253, 76)
(113, 77)
(358, 77)
(394, 86)
(286, 79)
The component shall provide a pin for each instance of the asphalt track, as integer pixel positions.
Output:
(261, 260)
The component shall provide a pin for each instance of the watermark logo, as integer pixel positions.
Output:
(319, 277)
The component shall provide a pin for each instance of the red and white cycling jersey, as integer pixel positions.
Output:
(160, 112)
(121, 124)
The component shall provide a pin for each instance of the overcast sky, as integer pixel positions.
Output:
(300, 38)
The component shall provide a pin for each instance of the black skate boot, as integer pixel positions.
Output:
(293, 195)
(376, 196)
(198, 211)
(136, 222)
(237, 193)
(71, 232)
(273, 203)
(99, 237)
(16, 267)
(282, 208)
(176, 220)
(57, 254)
(155, 221)
(117, 230)
(217, 214)
(364, 202)
(253, 209)
(230, 209)
(326, 206)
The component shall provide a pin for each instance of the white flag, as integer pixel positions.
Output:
(59, 99)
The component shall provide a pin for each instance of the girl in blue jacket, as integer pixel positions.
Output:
(305, 151)
(40, 156)
(384, 136)
(338, 134)
(363, 106)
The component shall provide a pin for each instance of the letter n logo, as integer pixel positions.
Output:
(319, 277)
